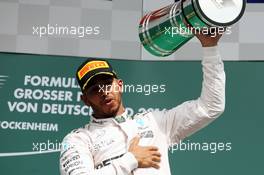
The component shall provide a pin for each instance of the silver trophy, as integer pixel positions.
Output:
(164, 31)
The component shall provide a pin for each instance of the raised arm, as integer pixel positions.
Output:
(187, 118)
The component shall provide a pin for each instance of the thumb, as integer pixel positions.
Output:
(135, 140)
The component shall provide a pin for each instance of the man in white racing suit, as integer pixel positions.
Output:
(115, 144)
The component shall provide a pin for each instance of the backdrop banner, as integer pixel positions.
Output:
(40, 103)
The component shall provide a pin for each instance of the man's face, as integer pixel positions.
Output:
(104, 95)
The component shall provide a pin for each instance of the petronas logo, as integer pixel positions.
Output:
(120, 119)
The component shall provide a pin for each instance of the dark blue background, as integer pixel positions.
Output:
(255, 1)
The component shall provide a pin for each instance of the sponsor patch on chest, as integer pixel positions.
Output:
(144, 129)
(103, 144)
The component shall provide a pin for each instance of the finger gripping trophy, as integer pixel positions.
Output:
(164, 31)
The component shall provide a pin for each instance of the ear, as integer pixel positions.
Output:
(85, 100)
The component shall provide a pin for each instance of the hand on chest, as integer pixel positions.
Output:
(117, 137)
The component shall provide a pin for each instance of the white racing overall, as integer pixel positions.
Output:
(101, 147)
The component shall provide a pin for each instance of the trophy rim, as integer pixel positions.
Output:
(215, 23)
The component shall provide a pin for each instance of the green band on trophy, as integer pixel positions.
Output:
(164, 31)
